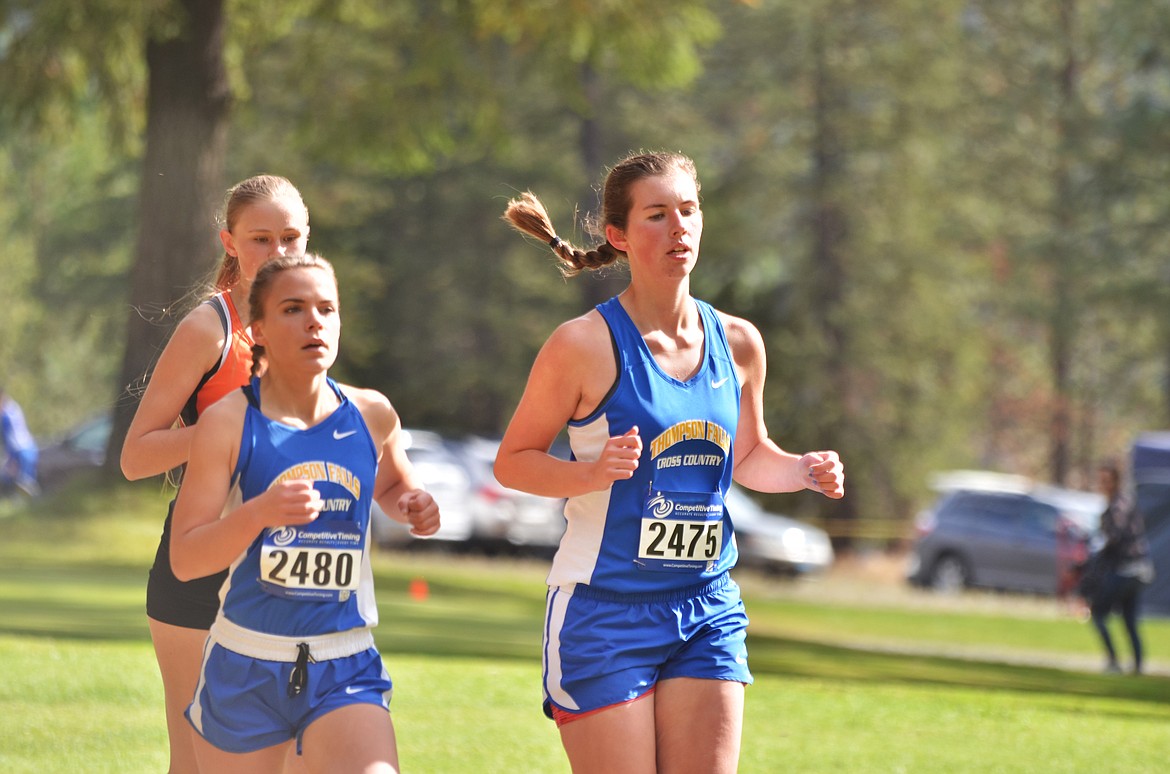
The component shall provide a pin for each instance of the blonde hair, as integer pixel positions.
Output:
(259, 188)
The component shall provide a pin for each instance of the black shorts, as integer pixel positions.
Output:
(190, 604)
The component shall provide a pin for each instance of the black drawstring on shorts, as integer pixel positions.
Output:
(300, 673)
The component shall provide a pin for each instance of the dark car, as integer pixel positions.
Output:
(1001, 532)
(81, 448)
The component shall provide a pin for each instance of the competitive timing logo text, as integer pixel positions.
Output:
(684, 505)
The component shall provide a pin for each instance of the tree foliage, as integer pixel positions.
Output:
(947, 218)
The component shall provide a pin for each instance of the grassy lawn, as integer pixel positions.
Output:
(868, 682)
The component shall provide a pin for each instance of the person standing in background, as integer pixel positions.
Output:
(1125, 566)
(20, 448)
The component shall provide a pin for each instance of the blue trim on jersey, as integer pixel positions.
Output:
(339, 456)
(688, 433)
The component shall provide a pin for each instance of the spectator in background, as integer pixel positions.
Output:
(20, 463)
(1124, 568)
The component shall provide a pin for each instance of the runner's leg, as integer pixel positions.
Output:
(179, 652)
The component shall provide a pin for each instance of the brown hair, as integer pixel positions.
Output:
(262, 285)
(259, 188)
(1113, 467)
(527, 214)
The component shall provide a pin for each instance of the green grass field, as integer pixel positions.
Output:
(871, 680)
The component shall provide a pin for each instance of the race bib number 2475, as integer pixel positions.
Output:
(680, 531)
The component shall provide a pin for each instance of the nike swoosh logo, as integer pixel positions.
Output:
(715, 385)
(338, 436)
(352, 689)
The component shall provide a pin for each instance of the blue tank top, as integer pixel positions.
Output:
(664, 529)
(312, 579)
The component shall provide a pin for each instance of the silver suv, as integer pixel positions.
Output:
(1001, 532)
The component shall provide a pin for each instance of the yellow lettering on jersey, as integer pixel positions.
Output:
(312, 471)
(345, 477)
(687, 430)
(718, 436)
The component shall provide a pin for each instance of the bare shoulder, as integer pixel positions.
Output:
(203, 321)
(577, 364)
(199, 336)
(581, 336)
(743, 337)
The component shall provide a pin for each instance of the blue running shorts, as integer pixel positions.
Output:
(242, 704)
(603, 648)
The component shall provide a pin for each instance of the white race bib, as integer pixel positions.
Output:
(680, 531)
(317, 562)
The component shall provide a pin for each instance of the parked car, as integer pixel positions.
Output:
(503, 517)
(81, 448)
(1001, 532)
(776, 543)
(444, 474)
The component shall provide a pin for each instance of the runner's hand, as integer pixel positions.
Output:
(824, 473)
(290, 503)
(421, 512)
(619, 459)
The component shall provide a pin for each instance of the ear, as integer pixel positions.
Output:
(616, 237)
(229, 243)
(257, 329)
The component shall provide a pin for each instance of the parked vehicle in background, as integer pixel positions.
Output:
(442, 472)
(81, 448)
(1002, 532)
(776, 543)
(479, 513)
(508, 518)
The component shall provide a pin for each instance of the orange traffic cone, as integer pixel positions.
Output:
(419, 591)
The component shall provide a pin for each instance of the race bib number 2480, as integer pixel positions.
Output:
(318, 564)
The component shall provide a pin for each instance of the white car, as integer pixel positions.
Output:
(505, 517)
(776, 543)
(442, 473)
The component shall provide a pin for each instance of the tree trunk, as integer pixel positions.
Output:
(829, 224)
(1064, 260)
(596, 287)
(188, 104)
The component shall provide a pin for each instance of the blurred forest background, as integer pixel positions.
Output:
(949, 218)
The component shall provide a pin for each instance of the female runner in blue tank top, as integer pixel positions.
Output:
(644, 657)
(278, 491)
(208, 356)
